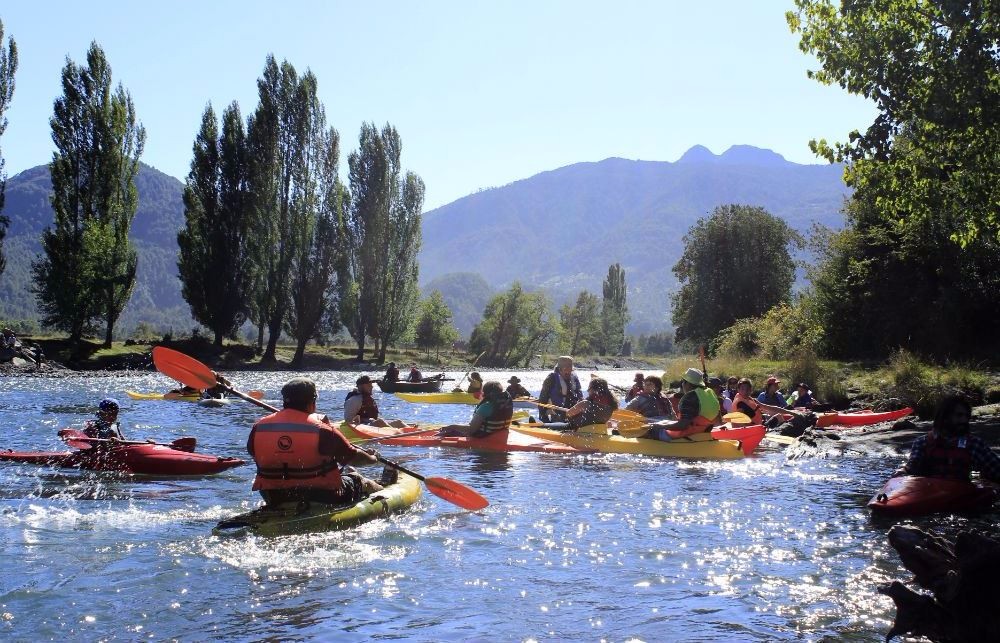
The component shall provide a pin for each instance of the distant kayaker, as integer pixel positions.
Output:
(218, 391)
(730, 391)
(186, 391)
(515, 389)
(475, 387)
(415, 375)
(299, 454)
(650, 402)
(561, 388)
(492, 414)
(597, 408)
(391, 373)
(106, 426)
(948, 451)
(802, 397)
(771, 395)
(699, 409)
(360, 406)
(638, 387)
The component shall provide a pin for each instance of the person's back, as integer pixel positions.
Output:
(415, 375)
(391, 373)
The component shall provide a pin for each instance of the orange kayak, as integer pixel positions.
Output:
(503, 441)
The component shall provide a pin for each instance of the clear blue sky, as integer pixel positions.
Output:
(482, 93)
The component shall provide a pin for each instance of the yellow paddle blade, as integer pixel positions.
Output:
(737, 418)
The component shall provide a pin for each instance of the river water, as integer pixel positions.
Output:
(596, 547)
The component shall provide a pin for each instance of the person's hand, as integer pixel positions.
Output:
(372, 452)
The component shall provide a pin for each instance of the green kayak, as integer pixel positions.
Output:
(301, 518)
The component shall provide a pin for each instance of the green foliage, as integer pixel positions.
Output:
(614, 311)
(383, 232)
(782, 333)
(655, 344)
(922, 386)
(580, 329)
(90, 264)
(466, 294)
(434, 328)
(8, 67)
(736, 264)
(214, 244)
(515, 325)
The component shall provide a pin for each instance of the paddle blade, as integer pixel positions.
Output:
(186, 370)
(456, 493)
(737, 418)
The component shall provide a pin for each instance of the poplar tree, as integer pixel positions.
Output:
(213, 259)
(434, 325)
(614, 311)
(383, 233)
(580, 325)
(8, 66)
(89, 267)
(317, 218)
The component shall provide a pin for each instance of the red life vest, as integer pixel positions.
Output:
(286, 450)
(946, 459)
(369, 409)
(757, 416)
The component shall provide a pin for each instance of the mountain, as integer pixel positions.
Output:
(156, 299)
(466, 294)
(560, 230)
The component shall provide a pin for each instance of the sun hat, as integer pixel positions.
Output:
(693, 376)
(514, 379)
(772, 380)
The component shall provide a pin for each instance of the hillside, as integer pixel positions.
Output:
(559, 230)
(157, 297)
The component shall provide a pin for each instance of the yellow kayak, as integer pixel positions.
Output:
(460, 397)
(135, 395)
(598, 437)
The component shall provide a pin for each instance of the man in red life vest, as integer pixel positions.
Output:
(299, 454)
(948, 451)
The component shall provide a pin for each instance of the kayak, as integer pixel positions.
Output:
(598, 437)
(503, 441)
(139, 458)
(306, 517)
(918, 496)
(460, 397)
(135, 395)
(427, 386)
(749, 436)
(214, 402)
(860, 418)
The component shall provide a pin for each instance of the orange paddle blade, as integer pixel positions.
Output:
(186, 370)
(456, 493)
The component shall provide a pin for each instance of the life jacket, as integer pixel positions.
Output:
(369, 409)
(499, 419)
(756, 415)
(103, 430)
(945, 458)
(286, 450)
(634, 392)
(574, 391)
(708, 411)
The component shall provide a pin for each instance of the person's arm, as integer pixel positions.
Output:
(545, 397)
(250, 441)
(914, 463)
(985, 460)
(352, 407)
(333, 443)
(479, 416)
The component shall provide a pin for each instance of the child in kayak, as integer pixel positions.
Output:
(106, 426)
(948, 451)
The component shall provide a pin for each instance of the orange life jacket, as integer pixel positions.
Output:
(757, 416)
(286, 450)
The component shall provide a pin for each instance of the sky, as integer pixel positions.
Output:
(481, 93)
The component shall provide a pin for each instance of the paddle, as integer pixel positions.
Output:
(191, 372)
(737, 418)
(81, 442)
(458, 387)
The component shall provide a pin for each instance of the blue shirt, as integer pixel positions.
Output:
(777, 399)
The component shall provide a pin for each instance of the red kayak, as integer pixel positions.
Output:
(749, 436)
(498, 441)
(860, 418)
(918, 496)
(140, 458)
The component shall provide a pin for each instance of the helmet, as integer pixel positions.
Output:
(108, 404)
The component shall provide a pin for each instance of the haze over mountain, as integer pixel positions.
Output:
(560, 230)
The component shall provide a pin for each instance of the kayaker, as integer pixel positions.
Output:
(415, 375)
(597, 408)
(730, 391)
(299, 454)
(475, 385)
(699, 408)
(561, 388)
(492, 414)
(948, 451)
(638, 387)
(360, 406)
(391, 373)
(106, 426)
(650, 402)
(771, 395)
(748, 405)
(715, 384)
(515, 389)
(186, 391)
(218, 391)
(802, 397)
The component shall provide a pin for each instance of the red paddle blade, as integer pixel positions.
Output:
(456, 493)
(186, 370)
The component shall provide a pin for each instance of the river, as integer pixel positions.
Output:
(595, 547)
